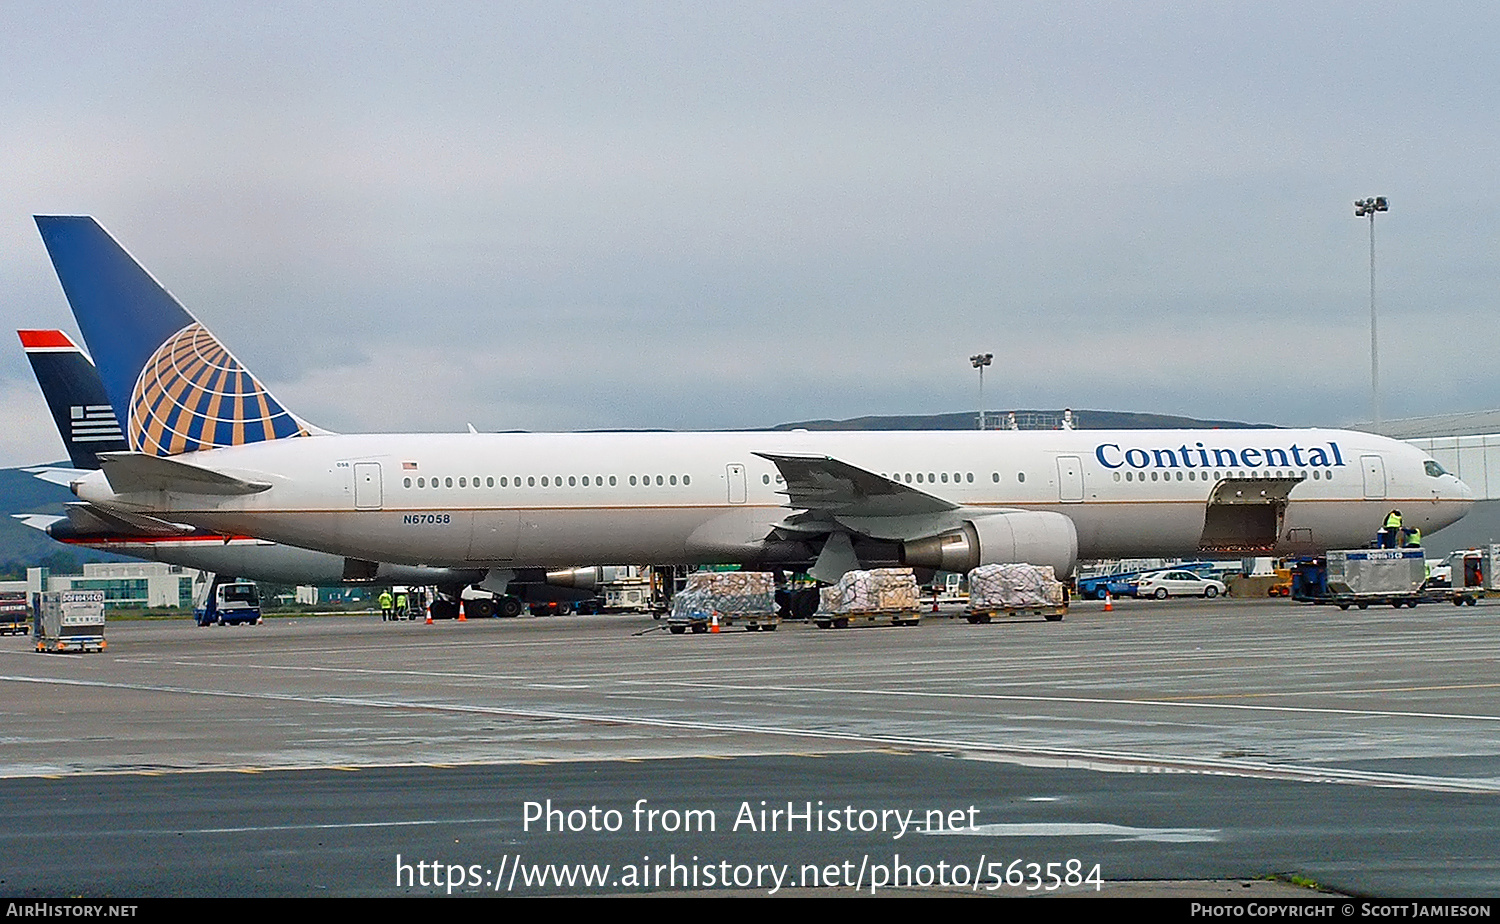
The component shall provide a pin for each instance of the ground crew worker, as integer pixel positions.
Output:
(385, 606)
(1411, 538)
(401, 606)
(1392, 532)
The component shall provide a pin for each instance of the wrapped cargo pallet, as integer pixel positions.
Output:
(1012, 585)
(864, 596)
(731, 596)
(880, 589)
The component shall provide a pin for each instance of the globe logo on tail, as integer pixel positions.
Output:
(192, 395)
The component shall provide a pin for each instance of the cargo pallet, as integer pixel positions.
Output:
(697, 623)
(990, 614)
(911, 617)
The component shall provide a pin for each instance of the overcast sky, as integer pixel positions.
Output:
(714, 215)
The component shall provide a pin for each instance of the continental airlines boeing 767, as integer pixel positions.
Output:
(211, 447)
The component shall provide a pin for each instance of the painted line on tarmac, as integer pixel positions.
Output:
(980, 750)
(251, 829)
(1090, 700)
(1082, 829)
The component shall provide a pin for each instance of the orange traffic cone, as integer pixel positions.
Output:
(461, 608)
(713, 623)
(429, 615)
(1109, 602)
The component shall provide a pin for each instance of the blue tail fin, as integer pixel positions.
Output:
(171, 382)
(75, 395)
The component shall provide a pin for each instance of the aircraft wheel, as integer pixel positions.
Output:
(510, 607)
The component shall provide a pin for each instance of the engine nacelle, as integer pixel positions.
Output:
(591, 578)
(1034, 537)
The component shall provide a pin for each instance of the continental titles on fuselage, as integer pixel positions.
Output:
(1111, 455)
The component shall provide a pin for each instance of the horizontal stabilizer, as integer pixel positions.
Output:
(56, 474)
(90, 520)
(134, 472)
(37, 520)
(826, 485)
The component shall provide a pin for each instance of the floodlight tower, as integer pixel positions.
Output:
(1363, 207)
(979, 361)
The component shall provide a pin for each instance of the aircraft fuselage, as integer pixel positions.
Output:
(555, 499)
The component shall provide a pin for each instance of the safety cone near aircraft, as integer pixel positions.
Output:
(1109, 602)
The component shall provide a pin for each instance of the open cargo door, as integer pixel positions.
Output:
(1245, 514)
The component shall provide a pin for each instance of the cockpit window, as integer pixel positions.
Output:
(1434, 469)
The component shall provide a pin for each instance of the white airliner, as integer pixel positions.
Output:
(211, 447)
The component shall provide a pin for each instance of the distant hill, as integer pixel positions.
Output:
(968, 420)
(22, 547)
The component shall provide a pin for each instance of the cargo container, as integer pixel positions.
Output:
(70, 620)
(1364, 578)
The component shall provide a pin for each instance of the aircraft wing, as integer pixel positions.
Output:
(133, 472)
(823, 485)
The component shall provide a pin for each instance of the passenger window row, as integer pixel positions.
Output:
(545, 481)
(1194, 475)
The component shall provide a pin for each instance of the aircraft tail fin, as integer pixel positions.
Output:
(174, 387)
(75, 394)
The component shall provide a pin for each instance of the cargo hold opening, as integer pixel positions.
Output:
(1245, 514)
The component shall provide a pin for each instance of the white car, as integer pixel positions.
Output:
(1164, 584)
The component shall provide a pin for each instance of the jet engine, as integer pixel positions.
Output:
(1034, 537)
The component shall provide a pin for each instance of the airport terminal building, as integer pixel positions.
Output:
(126, 585)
